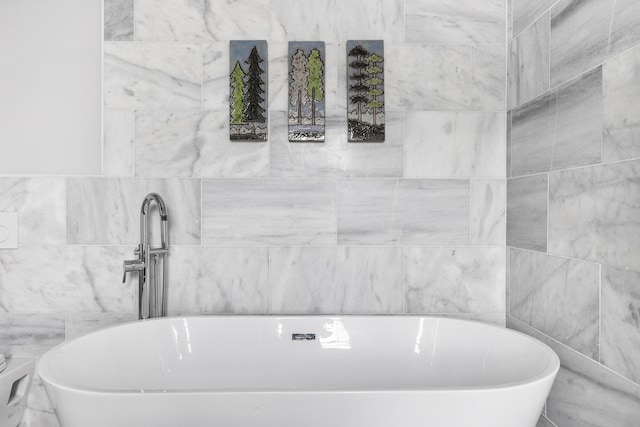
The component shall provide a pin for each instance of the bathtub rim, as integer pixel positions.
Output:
(48, 378)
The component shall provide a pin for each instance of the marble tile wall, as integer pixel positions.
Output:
(416, 224)
(573, 201)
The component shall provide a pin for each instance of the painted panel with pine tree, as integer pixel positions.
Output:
(248, 83)
(365, 90)
(306, 92)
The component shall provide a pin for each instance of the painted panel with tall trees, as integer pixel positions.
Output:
(365, 90)
(306, 92)
(248, 82)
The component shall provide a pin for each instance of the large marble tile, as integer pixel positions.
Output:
(529, 63)
(218, 280)
(336, 157)
(440, 144)
(427, 77)
(276, 211)
(557, 296)
(488, 212)
(202, 20)
(533, 128)
(621, 91)
(561, 129)
(30, 335)
(620, 341)
(578, 133)
(587, 33)
(333, 280)
(509, 133)
(194, 144)
(69, 279)
(488, 78)
(526, 12)
(527, 212)
(455, 22)
(337, 20)
(594, 214)
(454, 280)
(40, 205)
(117, 152)
(118, 20)
(152, 75)
(585, 394)
(85, 323)
(107, 210)
(410, 212)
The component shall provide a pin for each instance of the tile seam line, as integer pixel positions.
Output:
(575, 77)
(537, 18)
(575, 168)
(576, 352)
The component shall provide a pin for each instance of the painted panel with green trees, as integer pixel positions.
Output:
(248, 83)
(365, 90)
(306, 92)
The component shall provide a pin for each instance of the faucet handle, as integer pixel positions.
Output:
(132, 266)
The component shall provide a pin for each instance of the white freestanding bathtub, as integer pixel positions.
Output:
(311, 371)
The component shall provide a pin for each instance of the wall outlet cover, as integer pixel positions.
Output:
(8, 230)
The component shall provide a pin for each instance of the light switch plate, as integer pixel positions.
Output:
(8, 230)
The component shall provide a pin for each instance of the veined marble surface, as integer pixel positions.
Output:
(459, 144)
(40, 204)
(527, 212)
(488, 212)
(621, 88)
(215, 76)
(117, 152)
(118, 20)
(77, 325)
(560, 129)
(410, 212)
(557, 296)
(525, 12)
(202, 20)
(152, 75)
(533, 128)
(578, 133)
(274, 20)
(194, 144)
(455, 22)
(620, 341)
(337, 20)
(107, 210)
(454, 280)
(69, 279)
(218, 280)
(587, 33)
(594, 214)
(30, 334)
(529, 63)
(275, 211)
(343, 280)
(427, 77)
(585, 393)
(39, 412)
(488, 89)
(337, 157)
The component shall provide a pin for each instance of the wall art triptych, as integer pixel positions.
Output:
(248, 86)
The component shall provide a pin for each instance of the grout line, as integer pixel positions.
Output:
(574, 351)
